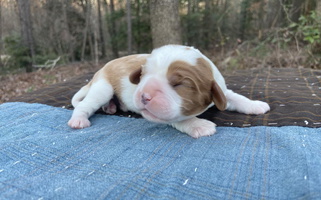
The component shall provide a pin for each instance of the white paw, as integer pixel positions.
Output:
(258, 108)
(200, 128)
(79, 123)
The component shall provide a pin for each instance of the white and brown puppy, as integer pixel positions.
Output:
(171, 85)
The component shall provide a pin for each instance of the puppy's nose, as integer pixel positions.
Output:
(146, 98)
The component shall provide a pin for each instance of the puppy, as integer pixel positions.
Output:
(172, 85)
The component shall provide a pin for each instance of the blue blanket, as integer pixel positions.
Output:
(125, 158)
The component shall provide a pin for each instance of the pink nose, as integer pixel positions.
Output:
(146, 98)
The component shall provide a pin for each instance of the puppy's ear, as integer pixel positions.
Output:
(218, 96)
(134, 77)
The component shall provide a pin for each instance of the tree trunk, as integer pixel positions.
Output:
(96, 48)
(70, 46)
(129, 27)
(106, 29)
(261, 20)
(112, 30)
(101, 32)
(1, 44)
(244, 18)
(191, 37)
(310, 5)
(207, 24)
(86, 10)
(318, 8)
(138, 25)
(296, 11)
(165, 23)
(91, 38)
(26, 30)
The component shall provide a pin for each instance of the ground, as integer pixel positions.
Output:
(240, 58)
(17, 84)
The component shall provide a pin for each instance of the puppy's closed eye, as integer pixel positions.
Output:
(175, 80)
(175, 85)
(178, 81)
(187, 83)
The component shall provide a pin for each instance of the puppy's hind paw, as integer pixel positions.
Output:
(110, 108)
(78, 123)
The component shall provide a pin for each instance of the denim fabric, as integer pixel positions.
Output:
(125, 158)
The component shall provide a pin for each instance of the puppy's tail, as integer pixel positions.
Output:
(80, 95)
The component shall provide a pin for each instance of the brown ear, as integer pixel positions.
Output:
(134, 77)
(218, 97)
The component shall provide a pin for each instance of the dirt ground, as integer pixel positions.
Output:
(17, 84)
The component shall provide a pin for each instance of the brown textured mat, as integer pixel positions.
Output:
(294, 96)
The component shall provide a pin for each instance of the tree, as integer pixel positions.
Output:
(165, 23)
(87, 12)
(26, 30)
(91, 29)
(66, 4)
(101, 32)
(112, 29)
(207, 23)
(1, 44)
(245, 18)
(141, 28)
(296, 10)
(129, 27)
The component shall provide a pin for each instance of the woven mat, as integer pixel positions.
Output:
(293, 95)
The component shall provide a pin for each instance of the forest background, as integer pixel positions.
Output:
(235, 34)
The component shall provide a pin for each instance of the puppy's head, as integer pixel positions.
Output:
(176, 83)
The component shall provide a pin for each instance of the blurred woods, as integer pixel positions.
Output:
(240, 33)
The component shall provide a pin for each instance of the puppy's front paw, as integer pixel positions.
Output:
(79, 123)
(202, 128)
(196, 127)
(258, 108)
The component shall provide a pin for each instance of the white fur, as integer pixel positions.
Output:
(161, 58)
(239, 103)
(173, 112)
(93, 100)
(154, 83)
(196, 127)
(127, 95)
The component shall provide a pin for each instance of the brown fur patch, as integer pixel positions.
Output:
(135, 76)
(116, 69)
(193, 84)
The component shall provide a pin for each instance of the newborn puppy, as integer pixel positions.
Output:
(171, 85)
